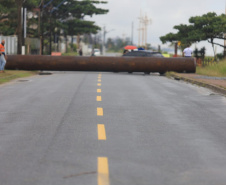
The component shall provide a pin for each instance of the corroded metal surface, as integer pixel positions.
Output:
(120, 64)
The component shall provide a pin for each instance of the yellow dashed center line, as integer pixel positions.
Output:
(100, 111)
(103, 171)
(99, 98)
(102, 162)
(101, 132)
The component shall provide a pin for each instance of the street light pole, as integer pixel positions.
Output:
(104, 36)
(132, 35)
(19, 26)
(103, 44)
(40, 30)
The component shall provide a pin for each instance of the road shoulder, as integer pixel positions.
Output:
(217, 84)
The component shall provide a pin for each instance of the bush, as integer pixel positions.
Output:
(217, 69)
(220, 56)
(73, 47)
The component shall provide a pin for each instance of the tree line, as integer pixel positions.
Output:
(54, 17)
(208, 27)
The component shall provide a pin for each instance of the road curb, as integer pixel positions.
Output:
(202, 84)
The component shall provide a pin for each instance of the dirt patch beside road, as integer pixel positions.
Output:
(217, 84)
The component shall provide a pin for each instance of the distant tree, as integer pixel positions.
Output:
(117, 44)
(196, 53)
(10, 17)
(207, 27)
(69, 17)
(110, 44)
(56, 15)
(97, 40)
(184, 35)
(8, 22)
(200, 53)
(77, 26)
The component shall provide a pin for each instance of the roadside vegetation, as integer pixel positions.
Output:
(10, 75)
(58, 18)
(218, 69)
(70, 54)
(209, 27)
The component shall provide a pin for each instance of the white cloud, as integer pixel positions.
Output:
(164, 15)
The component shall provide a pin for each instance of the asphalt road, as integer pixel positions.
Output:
(91, 128)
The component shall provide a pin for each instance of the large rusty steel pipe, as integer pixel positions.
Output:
(119, 64)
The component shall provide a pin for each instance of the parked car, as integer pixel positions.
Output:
(96, 52)
(143, 53)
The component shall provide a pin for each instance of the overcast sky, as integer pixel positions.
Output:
(164, 14)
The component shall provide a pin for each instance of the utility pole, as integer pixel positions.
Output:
(24, 28)
(103, 42)
(50, 34)
(146, 22)
(140, 29)
(132, 35)
(175, 49)
(139, 35)
(40, 30)
(19, 26)
(143, 26)
(142, 40)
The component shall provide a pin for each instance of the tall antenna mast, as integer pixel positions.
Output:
(144, 21)
(139, 29)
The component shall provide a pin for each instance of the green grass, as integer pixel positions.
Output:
(218, 69)
(10, 75)
(70, 54)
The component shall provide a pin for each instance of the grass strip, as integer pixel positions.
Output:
(70, 54)
(217, 70)
(10, 75)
